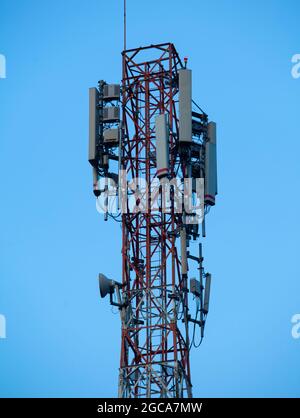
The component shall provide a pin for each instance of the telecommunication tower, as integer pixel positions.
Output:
(153, 153)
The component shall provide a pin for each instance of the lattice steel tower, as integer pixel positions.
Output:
(145, 158)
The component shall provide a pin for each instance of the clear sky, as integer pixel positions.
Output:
(61, 339)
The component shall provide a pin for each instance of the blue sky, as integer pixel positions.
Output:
(61, 339)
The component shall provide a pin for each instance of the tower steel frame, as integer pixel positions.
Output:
(155, 360)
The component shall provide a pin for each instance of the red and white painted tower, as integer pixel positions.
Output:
(160, 142)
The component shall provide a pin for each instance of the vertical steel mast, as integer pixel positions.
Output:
(154, 349)
(150, 158)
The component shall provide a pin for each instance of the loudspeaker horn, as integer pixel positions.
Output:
(106, 285)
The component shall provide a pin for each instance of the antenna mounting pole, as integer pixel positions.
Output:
(125, 25)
